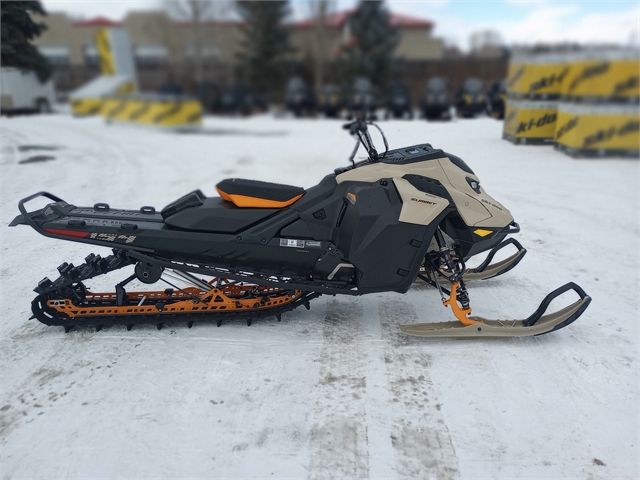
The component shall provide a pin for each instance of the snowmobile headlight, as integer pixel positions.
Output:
(474, 184)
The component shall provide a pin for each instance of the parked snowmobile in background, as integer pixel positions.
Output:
(496, 100)
(398, 102)
(436, 104)
(261, 249)
(362, 98)
(471, 100)
(239, 100)
(299, 97)
(331, 102)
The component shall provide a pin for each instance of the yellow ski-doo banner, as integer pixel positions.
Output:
(616, 79)
(536, 80)
(103, 46)
(529, 120)
(84, 107)
(598, 131)
(154, 111)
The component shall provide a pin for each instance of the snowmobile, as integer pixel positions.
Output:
(299, 98)
(470, 99)
(362, 98)
(331, 102)
(496, 100)
(398, 104)
(262, 249)
(238, 100)
(436, 104)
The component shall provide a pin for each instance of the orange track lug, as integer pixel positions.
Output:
(462, 314)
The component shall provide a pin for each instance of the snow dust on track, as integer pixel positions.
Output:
(335, 392)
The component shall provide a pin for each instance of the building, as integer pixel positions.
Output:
(416, 42)
(164, 49)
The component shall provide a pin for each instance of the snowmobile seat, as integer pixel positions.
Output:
(255, 194)
(195, 211)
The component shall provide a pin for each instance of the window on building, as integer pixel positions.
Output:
(91, 57)
(209, 54)
(57, 56)
(151, 55)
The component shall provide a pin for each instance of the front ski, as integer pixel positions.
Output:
(472, 326)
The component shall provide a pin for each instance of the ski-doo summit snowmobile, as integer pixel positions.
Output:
(261, 249)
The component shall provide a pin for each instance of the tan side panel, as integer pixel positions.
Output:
(476, 209)
(418, 207)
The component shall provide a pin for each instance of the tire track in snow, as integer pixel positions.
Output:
(419, 434)
(338, 436)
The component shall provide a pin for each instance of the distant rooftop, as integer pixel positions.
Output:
(338, 19)
(333, 20)
(97, 22)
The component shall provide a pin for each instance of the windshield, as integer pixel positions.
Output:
(473, 85)
(362, 85)
(436, 84)
(295, 84)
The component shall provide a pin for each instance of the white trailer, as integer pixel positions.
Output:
(22, 92)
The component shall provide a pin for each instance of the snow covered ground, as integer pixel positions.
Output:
(338, 391)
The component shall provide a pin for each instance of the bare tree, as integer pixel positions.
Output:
(319, 9)
(485, 40)
(197, 12)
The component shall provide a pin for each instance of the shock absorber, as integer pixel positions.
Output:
(454, 265)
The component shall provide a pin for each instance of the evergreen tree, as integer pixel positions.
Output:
(18, 29)
(264, 57)
(369, 52)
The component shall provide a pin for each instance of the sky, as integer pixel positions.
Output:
(517, 21)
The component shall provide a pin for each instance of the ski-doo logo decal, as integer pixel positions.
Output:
(511, 81)
(539, 122)
(419, 200)
(589, 72)
(498, 207)
(567, 127)
(113, 237)
(549, 81)
(630, 83)
(630, 127)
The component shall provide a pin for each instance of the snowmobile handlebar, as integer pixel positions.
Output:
(359, 129)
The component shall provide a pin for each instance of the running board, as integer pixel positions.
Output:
(536, 324)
